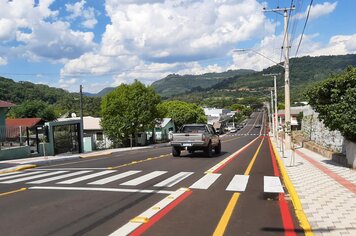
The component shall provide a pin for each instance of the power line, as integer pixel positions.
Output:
(305, 24)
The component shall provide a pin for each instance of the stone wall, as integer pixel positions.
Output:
(315, 130)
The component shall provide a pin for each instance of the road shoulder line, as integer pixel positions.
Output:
(304, 223)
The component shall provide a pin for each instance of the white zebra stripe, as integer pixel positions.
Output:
(174, 179)
(238, 183)
(206, 181)
(115, 177)
(144, 178)
(76, 180)
(21, 175)
(41, 181)
(32, 177)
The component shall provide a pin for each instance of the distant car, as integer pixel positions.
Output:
(233, 130)
(257, 126)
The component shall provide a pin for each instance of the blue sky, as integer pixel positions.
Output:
(105, 43)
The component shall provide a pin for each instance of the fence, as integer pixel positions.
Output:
(15, 136)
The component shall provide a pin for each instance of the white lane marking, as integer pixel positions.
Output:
(227, 159)
(102, 189)
(174, 179)
(11, 173)
(272, 184)
(238, 183)
(206, 181)
(73, 169)
(32, 177)
(41, 181)
(21, 175)
(76, 180)
(144, 178)
(146, 215)
(115, 177)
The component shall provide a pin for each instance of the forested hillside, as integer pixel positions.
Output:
(178, 84)
(60, 100)
(212, 89)
(304, 72)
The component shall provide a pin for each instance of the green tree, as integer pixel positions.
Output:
(127, 110)
(33, 109)
(334, 99)
(182, 112)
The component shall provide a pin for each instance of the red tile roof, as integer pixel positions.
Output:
(24, 122)
(6, 104)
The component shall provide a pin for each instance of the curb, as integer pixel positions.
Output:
(95, 154)
(303, 220)
(17, 168)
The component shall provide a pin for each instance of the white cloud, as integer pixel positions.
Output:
(87, 15)
(3, 61)
(37, 33)
(66, 83)
(317, 10)
(169, 32)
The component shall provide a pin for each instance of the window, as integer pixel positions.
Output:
(99, 136)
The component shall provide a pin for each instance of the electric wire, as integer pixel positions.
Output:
(305, 24)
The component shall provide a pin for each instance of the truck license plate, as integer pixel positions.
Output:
(187, 144)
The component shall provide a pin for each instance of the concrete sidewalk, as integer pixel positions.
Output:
(27, 163)
(327, 191)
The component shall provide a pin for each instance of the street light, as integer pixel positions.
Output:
(257, 52)
(286, 90)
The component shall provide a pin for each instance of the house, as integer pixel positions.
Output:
(162, 131)
(214, 115)
(93, 129)
(294, 112)
(4, 107)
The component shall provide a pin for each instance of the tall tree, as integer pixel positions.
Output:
(334, 99)
(127, 110)
(33, 109)
(182, 112)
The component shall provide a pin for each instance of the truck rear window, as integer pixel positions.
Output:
(193, 129)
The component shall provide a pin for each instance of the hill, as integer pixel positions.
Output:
(179, 84)
(304, 72)
(62, 100)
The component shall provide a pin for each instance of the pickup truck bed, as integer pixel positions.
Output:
(196, 137)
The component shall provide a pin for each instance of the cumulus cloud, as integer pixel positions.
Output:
(38, 34)
(87, 15)
(66, 83)
(317, 10)
(144, 34)
(3, 61)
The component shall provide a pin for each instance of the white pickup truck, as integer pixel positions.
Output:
(196, 137)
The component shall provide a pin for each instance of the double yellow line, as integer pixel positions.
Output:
(221, 227)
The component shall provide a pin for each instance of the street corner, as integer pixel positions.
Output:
(17, 168)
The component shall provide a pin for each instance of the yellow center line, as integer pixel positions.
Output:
(139, 161)
(220, 229)
(248, 170)
(14, 191)
(224, 220)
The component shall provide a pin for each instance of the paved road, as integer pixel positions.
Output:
(150, 192)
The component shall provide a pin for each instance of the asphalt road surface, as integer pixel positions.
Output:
(149, 192)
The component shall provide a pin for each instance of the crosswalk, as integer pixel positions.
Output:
(131, 178)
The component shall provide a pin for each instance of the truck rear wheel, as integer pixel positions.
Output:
(209, 150)
(218, 148)
(176, 151)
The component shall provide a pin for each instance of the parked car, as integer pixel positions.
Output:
(196, 137)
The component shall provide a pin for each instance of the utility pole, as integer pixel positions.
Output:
(286, 48)
(273, 123)
(81, 119)
(275, 108)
